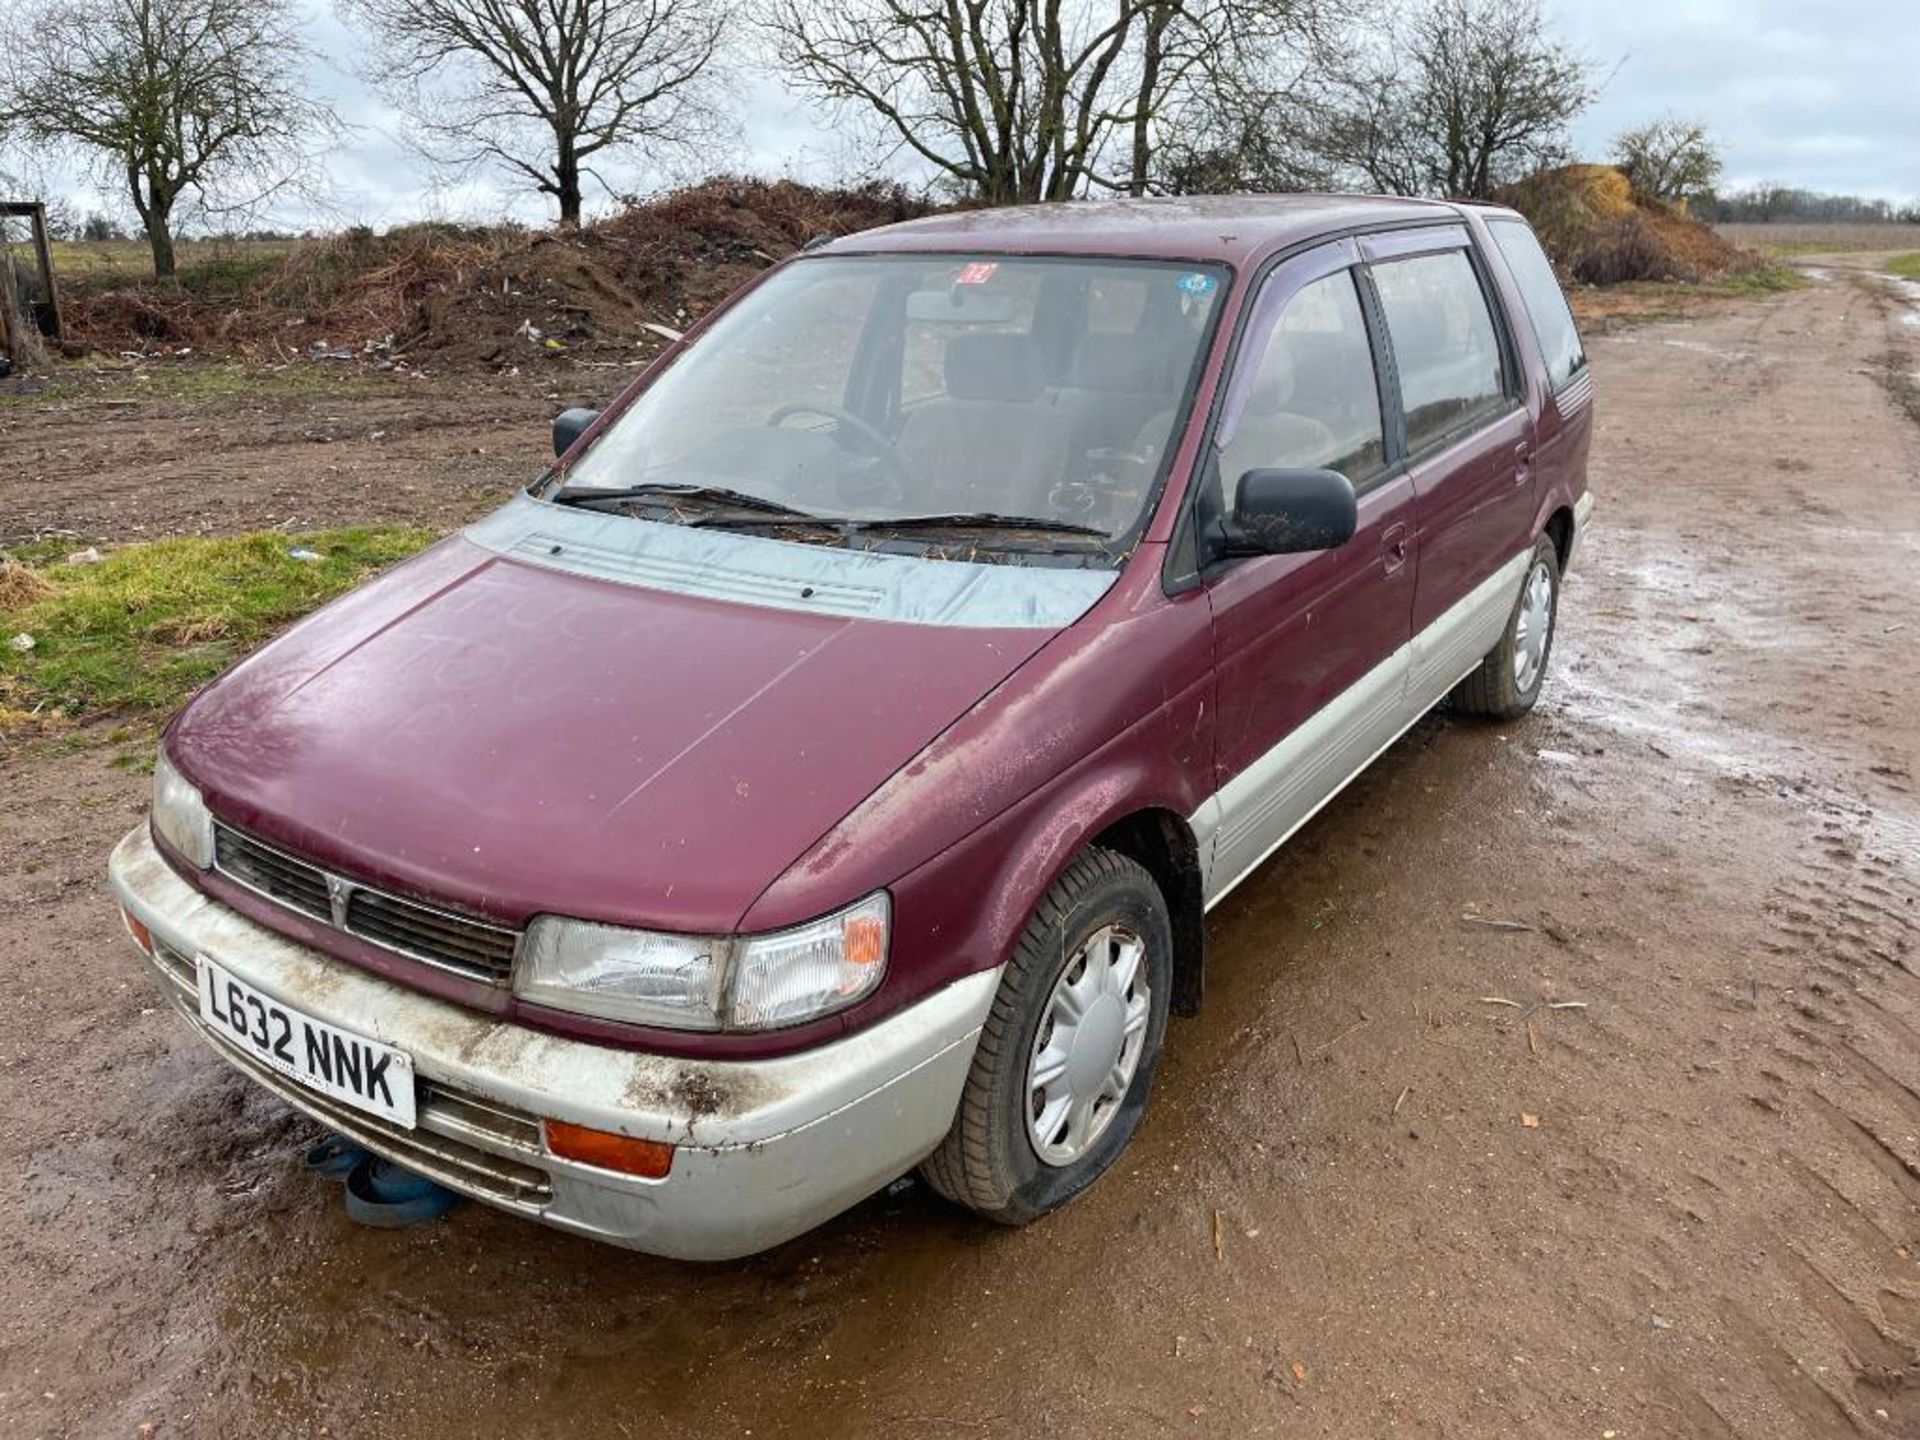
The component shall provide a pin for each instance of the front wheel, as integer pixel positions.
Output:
(1507, 682)
(1066, 1058)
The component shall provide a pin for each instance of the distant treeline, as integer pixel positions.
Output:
(1764, 203)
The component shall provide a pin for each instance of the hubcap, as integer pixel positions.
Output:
(1532, 627)
(1088, 1045)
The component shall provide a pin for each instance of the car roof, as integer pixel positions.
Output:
(1235, 229)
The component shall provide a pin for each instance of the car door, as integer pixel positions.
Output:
(1309, 650)
(1468, 437)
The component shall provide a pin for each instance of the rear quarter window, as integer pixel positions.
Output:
(1546, 304)
(1445, 347)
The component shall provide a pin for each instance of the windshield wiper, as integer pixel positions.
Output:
(961, 520)
(984, 520)
(663, 490)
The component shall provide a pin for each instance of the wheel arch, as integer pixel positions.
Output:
(1559, 529)
(1014, 863)
(1163, 844)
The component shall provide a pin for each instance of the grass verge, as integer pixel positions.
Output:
(1601, 308)
(1906, 266)
(137, 633)
(1761, 280)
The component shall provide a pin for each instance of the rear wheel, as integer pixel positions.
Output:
(1066, 1057)
(1507, 681)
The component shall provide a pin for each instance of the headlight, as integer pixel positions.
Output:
(749, 982)
(794, 975)
(179, 814)
(623, 974)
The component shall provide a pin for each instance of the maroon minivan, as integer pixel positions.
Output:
(826, 769)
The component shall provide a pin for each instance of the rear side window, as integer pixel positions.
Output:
(1444, 344)
(1546, 303)
(1312, 401)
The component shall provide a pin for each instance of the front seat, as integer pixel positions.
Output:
(996, 440)
(1269, 435)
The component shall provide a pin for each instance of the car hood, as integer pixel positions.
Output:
(559, 712)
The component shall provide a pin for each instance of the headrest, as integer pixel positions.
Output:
(1124, 364)
(992, 365)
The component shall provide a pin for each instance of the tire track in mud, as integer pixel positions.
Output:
(1842, 939)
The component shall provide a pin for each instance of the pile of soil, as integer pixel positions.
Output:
(464, 297)
(1601, 231)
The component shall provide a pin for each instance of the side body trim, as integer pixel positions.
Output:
(1258, 810)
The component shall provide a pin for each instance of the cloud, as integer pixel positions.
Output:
(1815, 95)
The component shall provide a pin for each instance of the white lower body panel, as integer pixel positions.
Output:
(1256, 812)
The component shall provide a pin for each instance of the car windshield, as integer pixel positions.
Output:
(876, 390)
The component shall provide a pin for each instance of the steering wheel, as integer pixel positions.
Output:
(877, 444)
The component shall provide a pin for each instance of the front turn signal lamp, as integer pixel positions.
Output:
(647, 1159)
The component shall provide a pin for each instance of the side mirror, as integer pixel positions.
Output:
(1291, 512)
(569, 426)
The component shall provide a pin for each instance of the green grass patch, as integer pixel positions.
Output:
(221, 380)
(1762, 280)
(137, 633)
(1906, 266)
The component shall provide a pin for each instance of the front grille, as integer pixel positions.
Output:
(454, 942)
(453, 1125)
(460, 943)
(294, 883)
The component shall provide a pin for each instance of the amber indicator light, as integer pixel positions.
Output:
(648, 1159)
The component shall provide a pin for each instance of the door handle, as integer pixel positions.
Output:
(1522, 463)
(1393, 548)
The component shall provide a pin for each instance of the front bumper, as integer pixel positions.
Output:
(766, 1149)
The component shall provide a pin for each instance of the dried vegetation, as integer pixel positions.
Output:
(1600, 231)
(490, 297)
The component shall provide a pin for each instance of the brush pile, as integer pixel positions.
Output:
(493, 297)
(454, 297)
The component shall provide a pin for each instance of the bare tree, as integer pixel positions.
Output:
(1465, 96)
(1236, 151)
(1668, 158)
(1022, 100)
(171, 98)
(1007, 100)
(1234, 109)
(550, 88)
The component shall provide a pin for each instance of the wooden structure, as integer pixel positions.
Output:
(27, 314)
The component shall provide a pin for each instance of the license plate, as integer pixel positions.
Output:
(359, 1072)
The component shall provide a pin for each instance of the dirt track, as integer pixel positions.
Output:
(1336, 1221)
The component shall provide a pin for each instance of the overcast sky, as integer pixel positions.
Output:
(1823, 94)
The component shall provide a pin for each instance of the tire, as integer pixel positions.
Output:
(991, 1161)
(1507, 682)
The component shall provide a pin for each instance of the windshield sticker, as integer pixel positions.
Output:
(979, 272)
(1199, 285)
